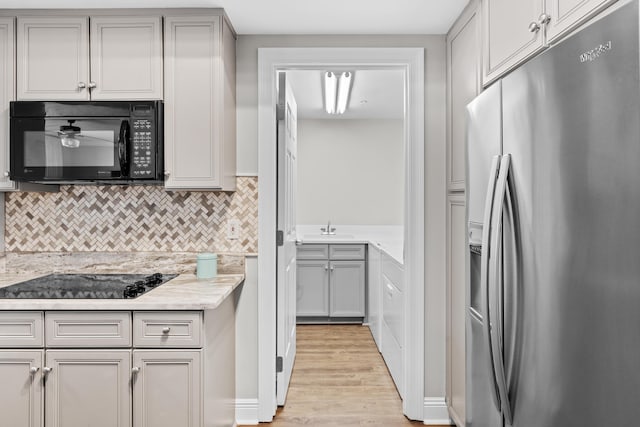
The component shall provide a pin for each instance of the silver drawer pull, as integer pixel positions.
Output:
(166, 330)
(33, 370)
(135, 370)
(46, 370)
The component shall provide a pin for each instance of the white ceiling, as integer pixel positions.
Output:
(375, 94)
(300, 16)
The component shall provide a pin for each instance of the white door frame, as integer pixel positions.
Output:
(411, 60)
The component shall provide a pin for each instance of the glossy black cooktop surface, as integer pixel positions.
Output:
(86, 286)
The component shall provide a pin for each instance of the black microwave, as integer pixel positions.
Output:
(85, 142)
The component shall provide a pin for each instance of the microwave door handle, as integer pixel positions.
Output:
(124, 142)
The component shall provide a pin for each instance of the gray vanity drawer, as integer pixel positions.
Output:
(88, 329)
(21, 329)
(312, 252)
(167, 329)
(347, 252)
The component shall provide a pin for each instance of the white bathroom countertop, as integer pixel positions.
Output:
(388, 238)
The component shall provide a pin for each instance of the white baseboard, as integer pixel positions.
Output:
(436, 412)
(247, 411)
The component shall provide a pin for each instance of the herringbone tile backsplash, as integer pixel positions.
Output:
(132, 219)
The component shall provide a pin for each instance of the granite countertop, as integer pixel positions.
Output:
(185, 292)
(389, 239)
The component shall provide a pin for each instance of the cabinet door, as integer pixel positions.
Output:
(167, 388)
(464, 76)
(312, 288)
(507, 38)
(126, 57)
(193, 86)
(456, 286)
(21, 397)
(374, 294)
(567, 14)
(7, 93)
(53, 58)
(88, 388)
(346, 288)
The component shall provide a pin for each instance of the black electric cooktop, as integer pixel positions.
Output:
(86, 286)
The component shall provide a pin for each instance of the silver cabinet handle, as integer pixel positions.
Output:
(544, 19)
(166, 330)
(46, 370)
(534, 27)
(6, 173)
(33, 370)
(332, 268)
(326, 267)
(167, 173)
(82, 85)
(92, 85)
(135, 370)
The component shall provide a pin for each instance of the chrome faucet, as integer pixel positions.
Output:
(328, 231)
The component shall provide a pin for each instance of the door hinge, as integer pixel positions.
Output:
(280, 109)
(279, 364)
(279, 238)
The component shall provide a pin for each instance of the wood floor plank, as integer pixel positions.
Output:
(340, 379)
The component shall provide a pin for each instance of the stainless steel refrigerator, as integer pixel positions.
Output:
(553, 197)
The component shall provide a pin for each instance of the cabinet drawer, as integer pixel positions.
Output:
(346, 252)
(83, 329)
(393, 270)
(21, 329)
(312, 252)
(167, 329)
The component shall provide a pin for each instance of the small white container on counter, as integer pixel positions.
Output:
(207, 266)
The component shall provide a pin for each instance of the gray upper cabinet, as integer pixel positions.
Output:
(200, 124)
(126, 57)
(566, 14)
(122, 61)
(508, 39)
(7, 94)
(515, 30)
(464, 84)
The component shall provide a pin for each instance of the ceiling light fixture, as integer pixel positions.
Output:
(336, 91)
(330, 92)
(344, 88)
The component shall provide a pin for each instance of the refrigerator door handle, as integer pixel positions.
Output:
(484, 276)
(501, 193)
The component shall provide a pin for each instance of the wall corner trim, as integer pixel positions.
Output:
(436, 412)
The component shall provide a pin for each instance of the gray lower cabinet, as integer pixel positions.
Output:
(22, 391)
(312, 290)
(166, 388)
(117, 368)
(331, 282)
(88, 387)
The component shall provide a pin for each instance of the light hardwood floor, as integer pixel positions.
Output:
(340, 379)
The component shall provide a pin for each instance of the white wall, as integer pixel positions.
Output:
(435, 164)
(350, 172)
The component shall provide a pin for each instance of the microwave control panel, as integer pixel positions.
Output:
(143, 145)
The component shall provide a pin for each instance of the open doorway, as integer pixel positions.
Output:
(410, 62)
(344, 158)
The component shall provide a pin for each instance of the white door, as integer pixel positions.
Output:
(286, 255)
